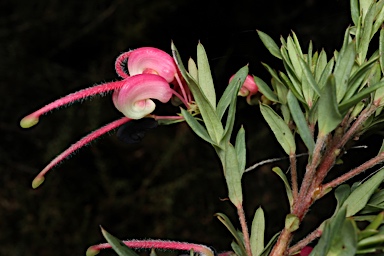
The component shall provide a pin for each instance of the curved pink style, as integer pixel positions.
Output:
(134, 98)
(146, 60)
(202, 250)
(150, 71)
(73, 148)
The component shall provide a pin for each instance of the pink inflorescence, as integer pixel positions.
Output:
(146, 74)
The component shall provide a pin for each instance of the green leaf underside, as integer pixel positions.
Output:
(300, 121)
(257, 232)
(204, 75)
(281, 130)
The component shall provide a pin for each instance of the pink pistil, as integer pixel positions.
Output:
(33, 118)
(120, 62)
(79, 144)
(159, 244)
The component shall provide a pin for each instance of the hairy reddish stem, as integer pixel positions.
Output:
(244, 227)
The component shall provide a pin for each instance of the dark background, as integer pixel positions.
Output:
(168, 186)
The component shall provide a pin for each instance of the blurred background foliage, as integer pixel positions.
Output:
(169, 185)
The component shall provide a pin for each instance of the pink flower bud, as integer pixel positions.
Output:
(249, 87)
(134, 98)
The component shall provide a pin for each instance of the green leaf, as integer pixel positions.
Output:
(341, 193)
(281, 130)
(269, 44)
(292, 87)
(225, 220)
(233, 175)
(379, 18)
(356, 80)
(294, 58)
(288, 189)
(326, 73)
(197, 127)
(192, 69)
(360, 196)
(205, 77)
(241, 149)
(343, 70)
(338, 238)
(320, 65)
(118, 246)
(231, 91)
(301, 123)
(347, 104)
(257, 232)
(309, 76)
(381, 49)
(365, 35)
(231, 114)
(237, 249)
(265, 90)
(270, 244)
(211, 120)
(329, 116)
(355, 11)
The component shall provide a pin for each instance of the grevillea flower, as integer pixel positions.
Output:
(249, 88)
(147, 76)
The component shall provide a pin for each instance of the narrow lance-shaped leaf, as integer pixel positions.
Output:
(360, 196)
(365, 35)
(205, 77)
(197, 127)
(381, 49)
(281, 130)
(309, 76)
(269, 44)
(118, 246)
(192, 68)
(232, 176)
(329, 116)
(225, 220)
(300, 121)
(231, 91)
(231, 114)
(288, 189)
(211, 120)
(257, 232)
(346, 105)
(294, 58)
(343, 70)
(355, 12)
(241, 149)
(265, 90)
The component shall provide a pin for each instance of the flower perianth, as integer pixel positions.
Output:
(156, 244)
(249, 87)
(74, 147)
(134, 98)
(33, 118)
(146, 60)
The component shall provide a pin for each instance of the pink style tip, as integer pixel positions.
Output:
(147, 60)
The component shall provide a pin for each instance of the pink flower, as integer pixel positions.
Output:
(134, 98)
(306, 251)
(249, 87)
(147, 76)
